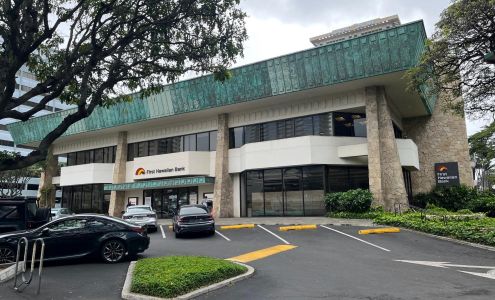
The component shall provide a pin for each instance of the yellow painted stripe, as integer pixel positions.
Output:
(170, 227)
(379, 230)
(259, 254)
(297, 227)
(239, 226)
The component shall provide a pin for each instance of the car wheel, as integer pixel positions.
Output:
(7, 255)
(113, 251)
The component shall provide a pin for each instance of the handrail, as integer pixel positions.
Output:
(25, 282)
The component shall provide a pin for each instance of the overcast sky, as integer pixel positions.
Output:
(277, 27)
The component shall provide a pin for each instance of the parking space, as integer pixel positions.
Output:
(326, 262)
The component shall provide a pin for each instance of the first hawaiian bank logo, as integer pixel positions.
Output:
(140, 171)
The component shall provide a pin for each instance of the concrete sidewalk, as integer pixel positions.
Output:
(286, 221)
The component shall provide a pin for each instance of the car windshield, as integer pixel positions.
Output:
(192, 210)
(137, 211)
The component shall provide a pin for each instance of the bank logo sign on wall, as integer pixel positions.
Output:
(140, 171)
(447, 174)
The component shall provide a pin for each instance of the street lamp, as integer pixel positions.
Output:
(490, 57)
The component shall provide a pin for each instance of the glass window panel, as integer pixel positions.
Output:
(358, 178)
(236, 137)
(99, 155)
(76, 199)
(97, 198)
(272, 186)
(252, 133)
(303, 126)
(114, 148)
(153, 147)
(293, 196)
(314, 191)
(359, 126)
(162, 146)
(142, 149)
(176, 145)
(203, 141)
(190, 142)
(269, 131)
(91, 156)
(213, 140)
(71, 159)
(289, 128)
(86, 200)
(254, 193)
(81, 156)
(338, 179)
(322, 124)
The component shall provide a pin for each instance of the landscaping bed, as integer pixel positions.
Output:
(172, 276)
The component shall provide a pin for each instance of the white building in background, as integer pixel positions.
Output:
(356, 30)
(25, 81)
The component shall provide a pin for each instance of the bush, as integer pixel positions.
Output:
(452, 198)
(485, 203)
(353, 201)
(172, 276)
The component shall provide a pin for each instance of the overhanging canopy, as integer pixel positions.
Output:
(163, 183)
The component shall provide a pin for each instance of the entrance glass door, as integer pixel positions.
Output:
(293, 197)
(274, 205)
(170, 202)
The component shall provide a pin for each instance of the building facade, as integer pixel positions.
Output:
(271, 141)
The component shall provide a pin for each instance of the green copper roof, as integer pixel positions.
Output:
(388, 51)
(163, 183)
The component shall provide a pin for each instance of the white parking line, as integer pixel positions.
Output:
(163, 232)
(278, 237)
(371, 244)
(222, 235)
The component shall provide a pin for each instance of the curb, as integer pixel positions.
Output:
(297, 227)
(480, 246)
(128, 295)
(9, 272)
(239, 226)
(379, 230)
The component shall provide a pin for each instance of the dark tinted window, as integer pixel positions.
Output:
(192, 211)
(98, 155)
(252, 133)
(190, 142)
(236, 137)
(303, 126)
(71, 159)
(322, 124)
(142, 149)
(349, 124)
(153, 148)
(269, 131)
(203, 141)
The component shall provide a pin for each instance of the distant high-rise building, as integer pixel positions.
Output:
(25, 81)
(355, 30)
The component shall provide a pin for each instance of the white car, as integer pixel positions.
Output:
(141, 215)
(59, 212)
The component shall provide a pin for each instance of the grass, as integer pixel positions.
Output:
(172, 276)
(475, 230)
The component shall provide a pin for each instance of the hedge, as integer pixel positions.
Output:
(172, 276)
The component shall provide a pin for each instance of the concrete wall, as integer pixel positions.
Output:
(86, 174)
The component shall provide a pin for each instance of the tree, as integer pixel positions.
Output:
(96, 52)
(12, 182)
(455, 62)
(482, 151)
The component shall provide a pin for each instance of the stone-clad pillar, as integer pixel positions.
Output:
(117, 198)
(385, 171)
(46, 189)
(441, 137)
(223, 205)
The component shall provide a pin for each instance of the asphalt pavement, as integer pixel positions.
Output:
(330, 262)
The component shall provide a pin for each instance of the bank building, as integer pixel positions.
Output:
(272, 140)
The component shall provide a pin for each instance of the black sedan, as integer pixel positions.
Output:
(79, 236)
(193, 218)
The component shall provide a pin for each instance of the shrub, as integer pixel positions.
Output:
(485, 203)
(433, 209)
(354, 201)
(172, 276)
(465, 211)
(452, 198)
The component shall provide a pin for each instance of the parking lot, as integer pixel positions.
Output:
(327, 262)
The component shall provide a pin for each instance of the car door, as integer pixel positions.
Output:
(65, 238)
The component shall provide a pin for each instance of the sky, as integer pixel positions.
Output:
(278, 27)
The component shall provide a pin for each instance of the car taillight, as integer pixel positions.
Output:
(138, 229)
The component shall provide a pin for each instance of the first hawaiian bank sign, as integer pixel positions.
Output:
(171, 165)
(142, 171)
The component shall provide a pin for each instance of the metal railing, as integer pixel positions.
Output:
(25, 282)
